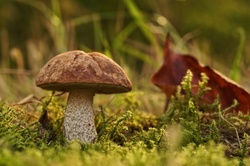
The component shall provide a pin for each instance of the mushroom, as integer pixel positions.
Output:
(82, 75)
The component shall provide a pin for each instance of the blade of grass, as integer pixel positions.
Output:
(123, 35)
(106, 45)
(55, 20)
(142, 23)
(97, 31)
(100, 38)
(89, 18)
(56, 8)
(138, 54)
(235, 72)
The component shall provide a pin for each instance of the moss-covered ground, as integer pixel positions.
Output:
(187, 134)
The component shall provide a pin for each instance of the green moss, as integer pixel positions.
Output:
(126, 135)
(110, 154)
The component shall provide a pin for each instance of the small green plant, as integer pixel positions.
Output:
(214, 132)
(203, 123)
(243, 151)
(185, 109)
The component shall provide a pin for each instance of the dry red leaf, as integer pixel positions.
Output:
(174, 68)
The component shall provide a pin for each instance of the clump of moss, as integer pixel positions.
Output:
(128, 125)
(14, 132)
(21, 129)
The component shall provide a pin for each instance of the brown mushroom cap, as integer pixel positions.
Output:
(80, 70)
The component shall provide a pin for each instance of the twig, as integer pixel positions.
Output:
(17, 72)
(236, 131)
(28, 99)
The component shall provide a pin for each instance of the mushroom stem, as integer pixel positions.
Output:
(79, 118)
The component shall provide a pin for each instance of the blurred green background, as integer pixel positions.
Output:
(132, 32)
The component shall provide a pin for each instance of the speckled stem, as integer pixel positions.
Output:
(79, 118)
